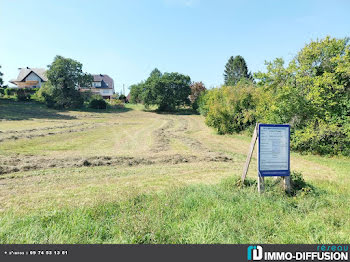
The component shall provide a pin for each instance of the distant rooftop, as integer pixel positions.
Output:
(106, 80)
(24, 72)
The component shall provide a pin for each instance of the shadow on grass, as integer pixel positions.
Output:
(13, 110)
(103, 111)
(181, 111)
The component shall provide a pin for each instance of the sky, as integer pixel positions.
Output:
(127, 39)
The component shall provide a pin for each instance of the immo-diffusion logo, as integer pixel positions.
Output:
(255, 253)
(322, 253)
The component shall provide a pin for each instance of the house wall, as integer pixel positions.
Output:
(106, 92)
(101, 91)
(33, 77)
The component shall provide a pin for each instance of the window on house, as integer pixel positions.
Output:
(96, 84)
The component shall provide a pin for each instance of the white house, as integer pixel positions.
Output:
(30, 78)
(102, 85)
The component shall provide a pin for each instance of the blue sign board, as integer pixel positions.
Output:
(274, 150)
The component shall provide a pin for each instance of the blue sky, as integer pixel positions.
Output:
(127, 39)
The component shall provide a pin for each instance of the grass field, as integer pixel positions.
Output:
(132, 176)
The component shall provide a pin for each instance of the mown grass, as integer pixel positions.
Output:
(188, 202)
(221, 213)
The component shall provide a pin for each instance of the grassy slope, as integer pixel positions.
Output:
(152, 178)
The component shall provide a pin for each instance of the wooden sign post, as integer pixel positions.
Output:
(273, 154)
(250, 153)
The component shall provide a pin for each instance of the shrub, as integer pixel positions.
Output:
(22, 94)
(311, 93)
(229, 109)
(59, 98)
(87, 95)
(122, 98)
(8, 92)
(116, 103)
(136, 93)
(298, 184)
(322, 138)
(202, 102)
(97, 103)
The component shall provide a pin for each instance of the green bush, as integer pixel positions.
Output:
(323, 138)
(311, 94)
(136, 93)
(116, 103)
(97, 103)
(60, 98)
(298, 184)
(229, 109)
(22, 94)
(87, 95)
(122, 98)
(9, 92)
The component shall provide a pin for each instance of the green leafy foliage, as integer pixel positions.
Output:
(8, 92)
(299, 185)
(168, 91)
(122, 98)
(61, 98)
(116, 103)
(197, 88)
(22, 94)
(323, 138)
(229, 109)
(65, 75)
(97, 102)
(311, 93)
(136, 93)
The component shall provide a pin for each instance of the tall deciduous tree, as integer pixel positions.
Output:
(65, 76)
(236, 68)
(168, 91)
(66, 73)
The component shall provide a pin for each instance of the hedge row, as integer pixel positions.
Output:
(312, 94)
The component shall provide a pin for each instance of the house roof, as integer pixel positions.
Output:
(106, 81)
(24, 72)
